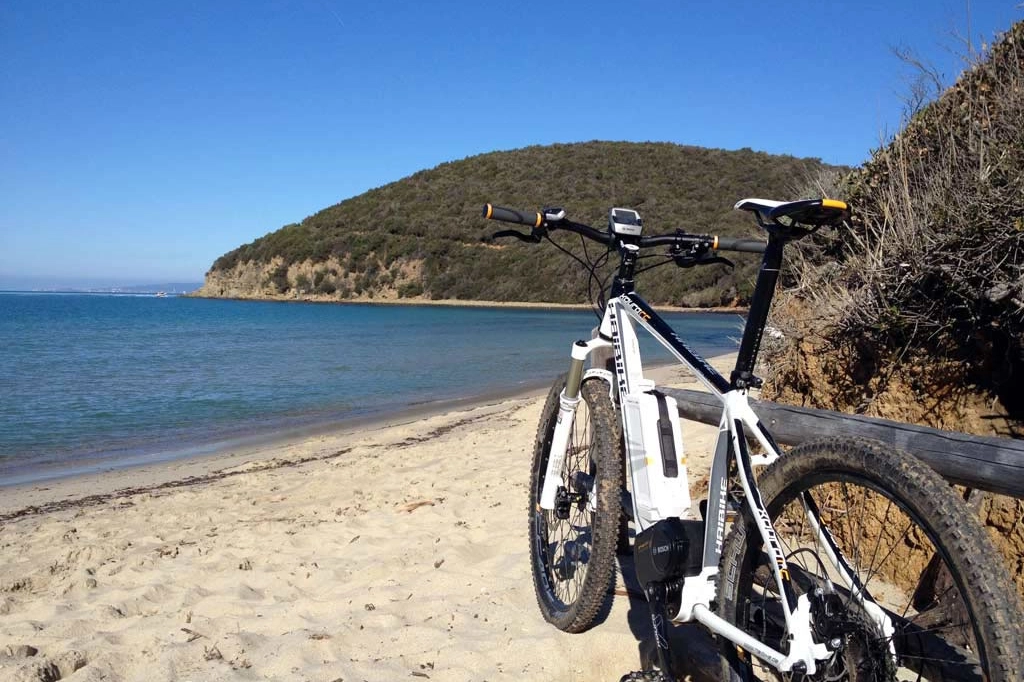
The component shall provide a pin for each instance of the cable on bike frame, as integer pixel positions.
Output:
(541, 227)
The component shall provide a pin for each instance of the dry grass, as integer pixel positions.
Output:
(931, 267)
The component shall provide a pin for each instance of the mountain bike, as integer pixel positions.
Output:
(840, 559)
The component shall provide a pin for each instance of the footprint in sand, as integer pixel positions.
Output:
(29, 666)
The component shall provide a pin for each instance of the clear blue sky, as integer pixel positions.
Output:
(140, 140)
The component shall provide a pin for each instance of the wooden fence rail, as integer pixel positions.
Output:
(985, 463)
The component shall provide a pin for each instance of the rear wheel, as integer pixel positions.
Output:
(913, 546)
(572, 547)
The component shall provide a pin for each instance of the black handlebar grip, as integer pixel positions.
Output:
(508, 215)
(745, 245)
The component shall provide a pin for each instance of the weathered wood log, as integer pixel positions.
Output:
(986, 463)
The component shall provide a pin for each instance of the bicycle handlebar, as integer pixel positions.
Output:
(541, 223)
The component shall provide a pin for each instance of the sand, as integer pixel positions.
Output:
(391, 552)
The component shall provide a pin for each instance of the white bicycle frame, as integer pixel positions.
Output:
(618, 334)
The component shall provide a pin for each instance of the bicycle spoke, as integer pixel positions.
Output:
(893, 564)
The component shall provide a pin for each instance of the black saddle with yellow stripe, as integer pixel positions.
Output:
(795, 217)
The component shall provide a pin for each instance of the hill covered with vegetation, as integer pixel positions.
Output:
(422, 237)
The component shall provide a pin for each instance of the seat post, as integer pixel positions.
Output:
(760, 303)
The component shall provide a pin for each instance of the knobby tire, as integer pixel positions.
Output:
(573, 558)
(913, 543)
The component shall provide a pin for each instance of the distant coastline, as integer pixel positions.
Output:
(175, 288)
(457, 303)
(89, 292)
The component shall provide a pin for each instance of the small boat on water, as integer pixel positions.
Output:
(161, 294)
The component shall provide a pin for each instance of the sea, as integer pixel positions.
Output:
(92, 382)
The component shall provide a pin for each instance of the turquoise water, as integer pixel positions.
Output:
(92, 381)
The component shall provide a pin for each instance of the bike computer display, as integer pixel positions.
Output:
(625, 221)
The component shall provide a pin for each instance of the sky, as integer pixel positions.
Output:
(140, 140)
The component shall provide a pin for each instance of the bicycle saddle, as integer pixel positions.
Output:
(811, 212)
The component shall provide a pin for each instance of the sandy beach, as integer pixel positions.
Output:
(390, 552)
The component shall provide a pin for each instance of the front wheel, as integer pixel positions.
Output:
(572, 547)
(915, 550)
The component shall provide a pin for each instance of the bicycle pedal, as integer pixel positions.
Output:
(645, 676)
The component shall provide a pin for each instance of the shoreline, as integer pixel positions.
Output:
(105, 477)
(100, 467)
(100, 484)
(456, 303)
(410, 302)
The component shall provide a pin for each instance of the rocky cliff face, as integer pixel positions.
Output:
(246, 280)
(313, 281)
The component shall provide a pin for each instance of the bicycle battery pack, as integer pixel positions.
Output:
(655, 449)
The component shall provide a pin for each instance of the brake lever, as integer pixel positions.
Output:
(716, 259)
(689, 260)
(531, 238)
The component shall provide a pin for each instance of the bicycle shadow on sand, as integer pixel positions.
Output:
(695, 654)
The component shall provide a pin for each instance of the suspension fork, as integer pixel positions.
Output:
(567, 402)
